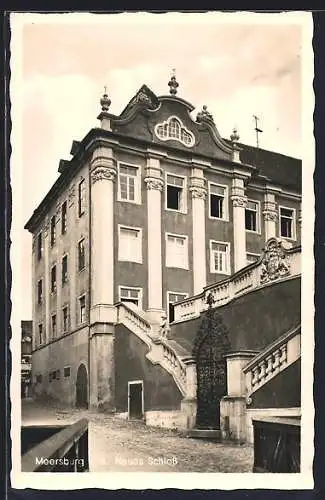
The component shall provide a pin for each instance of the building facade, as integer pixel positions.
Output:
(152, 207)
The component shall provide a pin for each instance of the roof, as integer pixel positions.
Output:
(280, 169)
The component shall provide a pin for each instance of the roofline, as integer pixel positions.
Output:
(98, 133)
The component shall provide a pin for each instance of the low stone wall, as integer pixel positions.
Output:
(174, 419)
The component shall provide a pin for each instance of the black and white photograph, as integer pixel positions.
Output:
(162, 250)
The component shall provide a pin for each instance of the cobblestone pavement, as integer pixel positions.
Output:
(121, 445)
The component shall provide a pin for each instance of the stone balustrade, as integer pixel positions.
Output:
(272, 360)
(276, 263)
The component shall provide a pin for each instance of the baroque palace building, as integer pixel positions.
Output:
(152, 207)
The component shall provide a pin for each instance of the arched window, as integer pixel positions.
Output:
(174, 129)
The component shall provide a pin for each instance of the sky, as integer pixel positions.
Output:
(239, 66)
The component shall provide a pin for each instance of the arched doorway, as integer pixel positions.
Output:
(82, 387)
(210, 346)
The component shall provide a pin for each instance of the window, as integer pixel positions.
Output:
(40, 334)
(175, 193)
(82, 309)
(65, 319)
(39, 378)
(64, 269)
(66, 371)
(129, 183)
(130, 244)
(252, 216)
(57, 374)
(218, 198)
(81, 197)
(172, 298)
(287, 223)
(219, 257)
(40, 291)
(173, 128)
(131, 295)
(176, 251)
(252, 257)
(81, 255)
(39, 246)
(53, 325)
(53, 279)
(53, 231)
(64, 218)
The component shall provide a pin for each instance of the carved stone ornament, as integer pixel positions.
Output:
(198, 192)
(143, 98)
(274, 262)
(239, 201)
(270, 216)
(153, 183)
(103, 173)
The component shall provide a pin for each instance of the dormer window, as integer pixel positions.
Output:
(173, 128)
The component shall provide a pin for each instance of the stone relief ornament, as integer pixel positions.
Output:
(153, 183)
(239, 201)
(274, 262)
(270, 216)
(103, 173)
(198, 192)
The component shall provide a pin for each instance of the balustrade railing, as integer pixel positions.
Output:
(57, 449)
(272, 360)
(276, 263)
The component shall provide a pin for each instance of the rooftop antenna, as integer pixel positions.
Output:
(257, 129)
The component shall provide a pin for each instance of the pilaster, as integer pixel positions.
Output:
(270, 215)
(103, 175)
(154, 184)
(239, 201)
(198, 192)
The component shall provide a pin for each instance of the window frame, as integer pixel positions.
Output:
(64, 217)
(40, 297)
(225, 198)
(168, 302)
(139, 259)
(227, 272)
(80, 322)
(258, 217)
(82, 240)
(139, 289)
(53, 231)
(65, 368)
(183, 203)
(64, 281)
(41, 339)
(81, 199)
(294, 227)
(65, 330)
(54, 334)
(137, 183)
(53, 290)
(185, 238)
(39, 245)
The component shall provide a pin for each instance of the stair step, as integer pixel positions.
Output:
(211, 434)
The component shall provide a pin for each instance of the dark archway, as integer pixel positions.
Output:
(210, 346)
(82, 387)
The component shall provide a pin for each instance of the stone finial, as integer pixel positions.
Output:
(105, 101)
(204, 114)
(173, 84)
(234, 137)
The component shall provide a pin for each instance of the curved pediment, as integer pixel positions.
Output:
(167, 120)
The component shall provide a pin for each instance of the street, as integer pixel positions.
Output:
(131, 446)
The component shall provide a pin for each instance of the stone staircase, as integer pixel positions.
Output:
(171, 356)
(276, 357)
